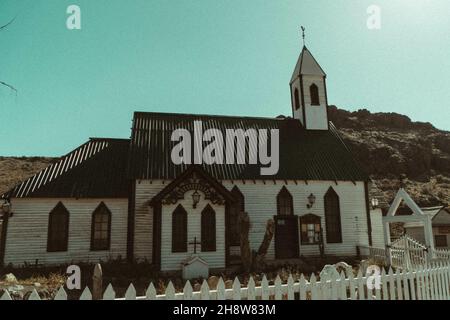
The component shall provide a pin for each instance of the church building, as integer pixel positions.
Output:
(117, 199)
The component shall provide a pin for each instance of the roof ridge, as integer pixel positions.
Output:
(150, 113)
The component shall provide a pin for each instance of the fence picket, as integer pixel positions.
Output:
(352, 286)
(405, 277)
(290, 288)
(187, 291)
(150, 294)
(303, 287)
(204, 291)
(264, 288)
(130, 294)
(236, 289)
(431, 281)
(170, 291)
(86, 294)
(427, 284)
(61, 294)
(109, 294)
(313, 283)
(343, 287)
(221, 290)
(361, 282)
(334, 287)
(278, 290)
(34, 295)
(391, 281)
(6, 296)
(446, 281)
(398, 278)
(251, 292)
(384, 286)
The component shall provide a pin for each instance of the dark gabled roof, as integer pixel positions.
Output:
(304, 154)
(97, 169)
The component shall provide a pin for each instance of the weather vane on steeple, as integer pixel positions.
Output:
(303, 35)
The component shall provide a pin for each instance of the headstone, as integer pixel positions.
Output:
(195, 267)
(212, 282)
(10, 278)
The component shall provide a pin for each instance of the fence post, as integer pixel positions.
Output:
(97, 283)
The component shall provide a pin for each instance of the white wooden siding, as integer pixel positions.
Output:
(316, 116)
(261, 204)
(28, 230)
(376, 217)
(143, 228)
(172, 261)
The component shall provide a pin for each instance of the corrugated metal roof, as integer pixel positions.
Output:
(96, 169)
(304, 154)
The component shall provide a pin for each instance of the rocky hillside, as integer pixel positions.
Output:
(387, 145)
(14, 169)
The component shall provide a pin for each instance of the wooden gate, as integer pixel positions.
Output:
(408, 253)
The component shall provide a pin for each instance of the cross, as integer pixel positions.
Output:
(195, 243)
(303, 35)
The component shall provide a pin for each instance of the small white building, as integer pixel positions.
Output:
(440, 220)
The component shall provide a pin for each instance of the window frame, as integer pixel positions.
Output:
(296, 99)
(107, 246)
(314, 95)
(441, 236)
(336, 238)
(284, 192)
(59, 245)
(208, 244)
(183, 247)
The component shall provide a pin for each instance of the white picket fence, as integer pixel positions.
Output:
(430, 283)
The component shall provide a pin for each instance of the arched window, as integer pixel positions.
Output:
(285, 203)
(332, 217)
(235, 236)
(208, 229)
(58, 229)
(101, 228)
(179, 230)
(310, 229)
(314, 93)
(296, 99)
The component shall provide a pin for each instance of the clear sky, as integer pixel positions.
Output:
(229, 57)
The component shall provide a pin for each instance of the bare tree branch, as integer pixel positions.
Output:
(1, 82)
(8, 85)
(6, 25)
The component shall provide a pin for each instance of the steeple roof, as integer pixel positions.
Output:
(307, 65)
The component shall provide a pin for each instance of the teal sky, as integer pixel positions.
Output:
(205, 56)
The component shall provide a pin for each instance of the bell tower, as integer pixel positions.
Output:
(309, 93)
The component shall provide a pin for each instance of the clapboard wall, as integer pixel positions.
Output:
(261, 205)
(28, 230)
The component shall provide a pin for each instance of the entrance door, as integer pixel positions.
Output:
(286, 237)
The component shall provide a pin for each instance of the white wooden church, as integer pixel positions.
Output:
(125, 199)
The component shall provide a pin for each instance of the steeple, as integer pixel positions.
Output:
(308, 92)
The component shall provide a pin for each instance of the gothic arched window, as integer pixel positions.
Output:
(58, 229)
(296, 99)
(208, 229)
(235, 236)
(285, 203)
(179, 230)
(332, 217)
(314, 93)
(101, 228)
